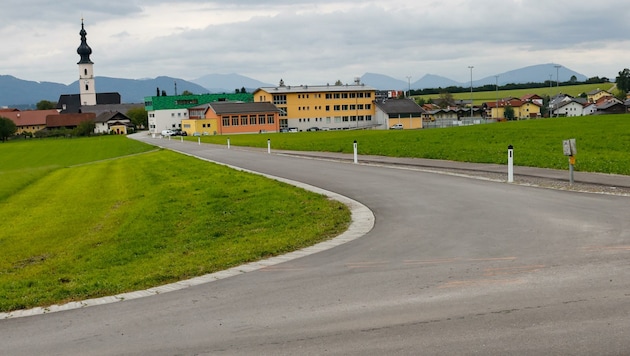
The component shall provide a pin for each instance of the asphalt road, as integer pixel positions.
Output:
(453, 266)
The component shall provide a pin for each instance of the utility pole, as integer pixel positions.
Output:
(496, 77)
(471, 93)
(557, 82)
(409, 82)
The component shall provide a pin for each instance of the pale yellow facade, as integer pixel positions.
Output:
(201, 126)
(325, 106)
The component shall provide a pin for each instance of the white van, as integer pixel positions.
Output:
(168, 133)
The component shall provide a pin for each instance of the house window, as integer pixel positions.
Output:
(279, 99)
(252, 119)
(226, 120)
(234, 120)
(270, 119)
(244, 120)
(261, 119)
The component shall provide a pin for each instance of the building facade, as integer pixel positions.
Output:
(224, 117)
(167, 112)
(332, 107)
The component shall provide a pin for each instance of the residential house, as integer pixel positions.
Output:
(331, 106)
(597, 94)
(569, 109)
(534, 98)
(610, 105)
(225, 117)
(29, 121)
(399, 111)
(522, 109)
(112, 122)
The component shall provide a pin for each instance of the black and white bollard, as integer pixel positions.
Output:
(199, 140)
(228, 143)
(356, 160)
(269, 145)
(510, 164)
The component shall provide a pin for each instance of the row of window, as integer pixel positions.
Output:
(339, 119)
(282, 98)
(248, 120)
(339, 107)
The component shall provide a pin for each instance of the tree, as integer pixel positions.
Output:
(187, 92)
(7, 128)
(573, 79)
(85, 128)
(45, 105)
(509, 112)
(243, 90)
(139, 117)
(623, 80)
(446, 99)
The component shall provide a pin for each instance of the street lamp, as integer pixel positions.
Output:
(409, 82)
(471, 93)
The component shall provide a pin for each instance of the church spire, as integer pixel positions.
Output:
(84, 50)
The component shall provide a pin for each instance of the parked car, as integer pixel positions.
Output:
(397, 127)
(293, 129)
(314, 128)
(168, 133)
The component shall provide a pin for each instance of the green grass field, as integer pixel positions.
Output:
(603, 142)
(101, 216)
(491, 96)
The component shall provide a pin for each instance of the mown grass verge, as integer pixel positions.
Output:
(144, 220)
(603, 142)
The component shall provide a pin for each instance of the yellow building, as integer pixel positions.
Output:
(594, 95)
(333, 107)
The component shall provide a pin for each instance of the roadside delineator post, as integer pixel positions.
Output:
(269, 145)
(355, 152)
(199, 140)
(510, 164)
(181, 138)
(228, 143)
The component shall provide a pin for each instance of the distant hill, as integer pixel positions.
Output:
(20, 93)
(532, 74)
(228, 83)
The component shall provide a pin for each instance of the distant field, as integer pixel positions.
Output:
(102, 216)
(603, 142)
(489, 96)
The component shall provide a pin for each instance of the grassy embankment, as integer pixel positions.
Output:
(491, 96)
(603, 142)
(84, 218)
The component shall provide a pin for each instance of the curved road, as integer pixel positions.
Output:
(452, 266)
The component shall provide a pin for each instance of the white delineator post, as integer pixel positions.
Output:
(268, 145)
(355, 152)
(510, 164)
(199, 140)
(228, 143)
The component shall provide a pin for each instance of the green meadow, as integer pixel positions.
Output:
(480, 97)
(603, 142)
(91, 217)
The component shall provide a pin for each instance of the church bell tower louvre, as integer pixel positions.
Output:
(87, 89)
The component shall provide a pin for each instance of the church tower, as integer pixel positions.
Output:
(86, 71)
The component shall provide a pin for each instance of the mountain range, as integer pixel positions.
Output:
(15, 92)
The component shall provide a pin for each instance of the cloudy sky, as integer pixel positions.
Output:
(312, 42)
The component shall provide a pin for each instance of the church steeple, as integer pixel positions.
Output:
(84, 50)
(86, 71)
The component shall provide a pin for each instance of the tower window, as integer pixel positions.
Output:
(86, 87)
(85, 71)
